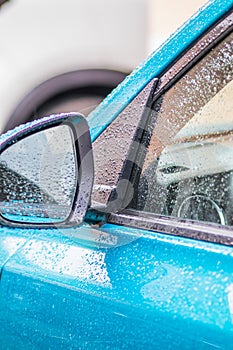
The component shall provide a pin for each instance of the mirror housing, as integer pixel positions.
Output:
(46, 172)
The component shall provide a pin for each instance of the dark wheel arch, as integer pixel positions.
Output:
(71, 85)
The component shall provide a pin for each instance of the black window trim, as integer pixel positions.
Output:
(203, 231)
(173, 226)
(193, 61)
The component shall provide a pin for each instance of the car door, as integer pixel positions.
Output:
(176, 182)
(146, 270)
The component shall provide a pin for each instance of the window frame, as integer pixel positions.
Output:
(204, 231)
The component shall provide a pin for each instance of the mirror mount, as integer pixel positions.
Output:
(42, 188)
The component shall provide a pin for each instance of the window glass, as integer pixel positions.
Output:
(188, 167)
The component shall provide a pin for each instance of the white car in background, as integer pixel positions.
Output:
(65, 55)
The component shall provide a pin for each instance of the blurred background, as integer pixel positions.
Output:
(59, 56)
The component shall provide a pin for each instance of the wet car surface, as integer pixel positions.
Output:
(150, 263)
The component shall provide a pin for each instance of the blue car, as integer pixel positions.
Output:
(116, 230)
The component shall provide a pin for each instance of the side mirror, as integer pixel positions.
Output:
(46, 172)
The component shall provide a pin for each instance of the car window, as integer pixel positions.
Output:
(188, 167)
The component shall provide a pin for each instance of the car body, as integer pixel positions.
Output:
(151, 265)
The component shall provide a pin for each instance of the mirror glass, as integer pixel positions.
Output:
(38, 177)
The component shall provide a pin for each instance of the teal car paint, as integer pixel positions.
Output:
(159, 60)
(177, 290)
(112, 286)
(9, 244)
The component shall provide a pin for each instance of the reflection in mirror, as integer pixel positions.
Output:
(38, 177)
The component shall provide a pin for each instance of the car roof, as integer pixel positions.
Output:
(155, 64)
